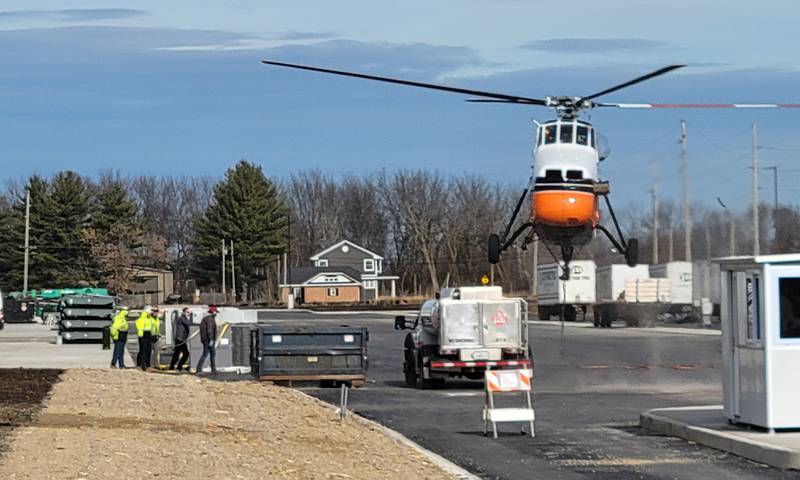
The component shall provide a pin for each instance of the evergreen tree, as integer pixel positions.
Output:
(114, 235)
(246, 208)
(62, 250)
(12, 250)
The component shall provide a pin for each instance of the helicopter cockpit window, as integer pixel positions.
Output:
(550, 134)
(566, 133)
(593, 139)
(582, 137)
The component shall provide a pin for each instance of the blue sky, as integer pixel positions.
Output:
(177, 88)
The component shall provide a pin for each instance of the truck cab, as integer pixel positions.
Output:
(461, 333)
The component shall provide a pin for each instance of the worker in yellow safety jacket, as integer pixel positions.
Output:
(119, 333)
(144, 329)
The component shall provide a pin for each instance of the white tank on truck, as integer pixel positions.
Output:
(567, 296)
(461, 333)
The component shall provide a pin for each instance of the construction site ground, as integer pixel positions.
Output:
(97, 424)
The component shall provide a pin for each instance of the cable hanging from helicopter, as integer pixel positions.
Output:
(565, 186)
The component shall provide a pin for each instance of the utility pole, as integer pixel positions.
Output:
(671, 244)
(224, 289)
(732, 233)
(775, 192)
(687, 222)
(233, 273)
(655, 224)
(756, 224)
(27, 241)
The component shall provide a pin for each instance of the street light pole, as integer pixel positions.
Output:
(224, 289)
(233, 273)
(27, 241)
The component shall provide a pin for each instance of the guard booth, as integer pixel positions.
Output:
(760, 313)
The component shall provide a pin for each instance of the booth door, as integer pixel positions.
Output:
(746, 350)
(784, 346)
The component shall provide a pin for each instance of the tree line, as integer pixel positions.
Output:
(430, 227)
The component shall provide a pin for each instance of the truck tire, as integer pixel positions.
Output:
(607, 320)
(544, 313)
(494, 248)
(632, 252)
(410, 362)
(570, 314)
(426, 383)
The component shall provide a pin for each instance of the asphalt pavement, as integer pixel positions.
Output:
(590, 385)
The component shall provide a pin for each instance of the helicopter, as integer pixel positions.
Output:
(565, 187)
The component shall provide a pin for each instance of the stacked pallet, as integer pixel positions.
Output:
(83, 317)
(647, 290)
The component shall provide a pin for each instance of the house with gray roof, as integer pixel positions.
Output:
(343, 273)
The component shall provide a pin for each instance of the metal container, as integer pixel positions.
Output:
(83, 317)
(309, 353)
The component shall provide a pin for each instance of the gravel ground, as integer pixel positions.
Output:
(101, 424)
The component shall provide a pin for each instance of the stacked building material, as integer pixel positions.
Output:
(83, 317)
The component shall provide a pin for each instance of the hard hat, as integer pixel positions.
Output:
(212, 309)
(147, 308)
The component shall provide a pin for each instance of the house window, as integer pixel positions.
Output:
(322, 263)
(370, 284)
(369, 265)
(333, 292)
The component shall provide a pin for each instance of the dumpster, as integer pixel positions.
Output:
(309, 353)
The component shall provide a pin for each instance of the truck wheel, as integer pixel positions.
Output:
(410, 363)
(570, 314)
(426, 383)
(632, 252)
(494, 248)
(606, 320)
(544, 313)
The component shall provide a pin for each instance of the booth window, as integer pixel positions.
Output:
(790, 307)
(753, 310)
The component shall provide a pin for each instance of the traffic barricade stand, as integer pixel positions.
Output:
(507, 381)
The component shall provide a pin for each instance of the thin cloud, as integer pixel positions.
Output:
(295, 35)
(592, 45)
(72, 14)
(419, 60)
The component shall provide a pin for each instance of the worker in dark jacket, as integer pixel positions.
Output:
(182, 326)
(208, 335)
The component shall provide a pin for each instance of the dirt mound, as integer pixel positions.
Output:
(130, 424)
(21, 395)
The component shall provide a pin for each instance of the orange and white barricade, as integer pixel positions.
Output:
(502, 382)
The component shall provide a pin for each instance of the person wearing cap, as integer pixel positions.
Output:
(208, 335)
(119, 333)
(182, 326)
(144, 329)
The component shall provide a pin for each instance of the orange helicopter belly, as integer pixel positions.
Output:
(565, 207)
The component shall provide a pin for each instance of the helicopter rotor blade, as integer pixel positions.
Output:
(477, 93)
(487, 100)
(656, 73)
(698, 105)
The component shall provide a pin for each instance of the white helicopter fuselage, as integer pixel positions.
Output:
(565, 160)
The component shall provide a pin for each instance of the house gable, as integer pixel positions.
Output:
(348, 254)
(333, 278)
(350, 246)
